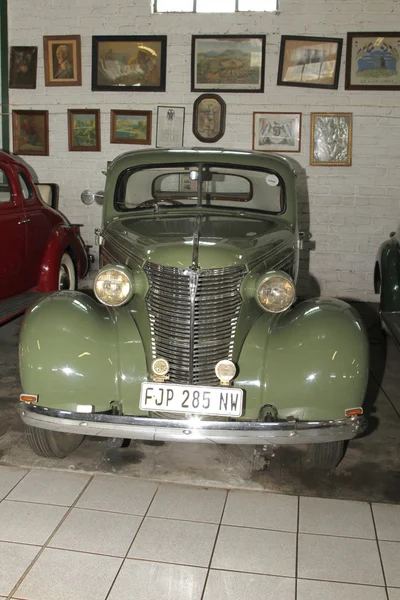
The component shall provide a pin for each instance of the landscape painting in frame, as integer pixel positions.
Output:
(228, 63)
(31, 132)
(131, 126)
(373, 61)
(276, 132)
(129, 63)
(309, 61)
(84, 130)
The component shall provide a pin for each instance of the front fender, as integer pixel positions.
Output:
(388, 259)
(310, 362)
(75, 351)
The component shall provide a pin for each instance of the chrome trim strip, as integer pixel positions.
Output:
(192, 430)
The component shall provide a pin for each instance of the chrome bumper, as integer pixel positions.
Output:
(192, 430)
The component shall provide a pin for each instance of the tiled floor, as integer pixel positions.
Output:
(76, 536)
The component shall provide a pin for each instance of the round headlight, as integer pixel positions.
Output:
(275, 293)
(113, 286)
(225, 370)
(160, 367)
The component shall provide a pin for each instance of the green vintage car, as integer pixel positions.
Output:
(195, 334)
(387, 284)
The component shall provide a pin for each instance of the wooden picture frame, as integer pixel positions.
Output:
(276, 131)
(331, 139)
(131, 127)
(373, 61)
(62, 60)
(31, 132)
(228, 63)
(209, 114)
(123, 63)
(23, 67)
(84, 130)
(306, 61)
(170, 126)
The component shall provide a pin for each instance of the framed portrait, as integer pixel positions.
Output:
(129, 63)
(331, 139)
(131, 126)
(170, 125)
(276, 132)
(228, 63)
(209, 113)
(84, 130)
(31, 132)
(62, 60)
(310, 61)
(23, 67)
(373, 61)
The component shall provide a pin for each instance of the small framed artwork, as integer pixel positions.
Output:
(209, 113)
(84, 130)
(131, 127)
(228, 63)
(62, 60)
(310, 61)
(129, 63)
(331, 139)
(373, 61)
(23, 67)
(170, 124)
(276, 132)
(31, 132)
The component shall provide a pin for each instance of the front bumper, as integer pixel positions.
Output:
(192, 430)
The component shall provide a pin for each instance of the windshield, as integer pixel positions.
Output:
(200, 185)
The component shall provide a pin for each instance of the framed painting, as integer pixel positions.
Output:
(23, 67)
(276, 132)
(170, 125)
(84, 130)
(309, 61)
(129, 63)
(372, 61)
(209, 115)
(31, 132)
(228, 63)
(331, 139)
(62, 60)
(131, 127)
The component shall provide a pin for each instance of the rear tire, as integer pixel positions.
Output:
(326, 455)
(52, 444)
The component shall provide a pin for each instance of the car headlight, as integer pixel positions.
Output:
(113, 285)
(276, 292)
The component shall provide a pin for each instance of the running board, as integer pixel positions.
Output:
(391, 322)
(12, 307)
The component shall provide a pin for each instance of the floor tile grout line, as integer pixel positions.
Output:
(13, 488)
(297, 548)
(45, 545)
(131, 544)
(368, 585)
(379, 551)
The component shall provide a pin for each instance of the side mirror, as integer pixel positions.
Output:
(88, 197)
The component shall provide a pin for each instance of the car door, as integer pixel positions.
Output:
(12, 236)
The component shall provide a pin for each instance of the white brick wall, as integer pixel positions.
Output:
(348, 210)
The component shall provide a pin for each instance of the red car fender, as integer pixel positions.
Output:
(62, 240)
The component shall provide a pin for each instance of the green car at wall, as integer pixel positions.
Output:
(387, 284)
(195, 333)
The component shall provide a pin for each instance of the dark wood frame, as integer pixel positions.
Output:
(285, 38)
(349, 57)
(196, 105)
(195, 87)
(145, 113)
(87, 111)
(271, 148)
(332, 163)
(98, 39)
(13, 52)
(16, 115)
(48, 42)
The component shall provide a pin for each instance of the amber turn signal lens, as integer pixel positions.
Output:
(353, 412)
(29, 397)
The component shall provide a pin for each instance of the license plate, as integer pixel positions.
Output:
(170, 397)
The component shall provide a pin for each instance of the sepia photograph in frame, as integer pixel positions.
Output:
(62, 60)
(331, 139)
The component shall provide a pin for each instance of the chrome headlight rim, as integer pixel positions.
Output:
(267, 277)
(120, 269)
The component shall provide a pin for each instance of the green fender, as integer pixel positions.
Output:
(310, 362)
(389, 276)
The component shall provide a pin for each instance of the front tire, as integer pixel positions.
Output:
(66, 273)
(326, 455)
(52, 444)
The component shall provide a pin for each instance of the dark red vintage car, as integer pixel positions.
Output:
(40, 251)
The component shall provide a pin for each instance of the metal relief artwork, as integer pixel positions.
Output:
(373, 61)
(276, 132)
(209, 118)
(331, 139)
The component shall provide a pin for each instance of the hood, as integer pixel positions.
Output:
(224, 240)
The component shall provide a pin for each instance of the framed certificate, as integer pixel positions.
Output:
(170, 124)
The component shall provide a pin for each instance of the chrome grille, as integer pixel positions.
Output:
(193, 317)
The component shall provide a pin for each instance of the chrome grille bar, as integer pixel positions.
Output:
(193, 316)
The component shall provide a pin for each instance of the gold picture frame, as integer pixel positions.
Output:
(62, 60)
(331, 139)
